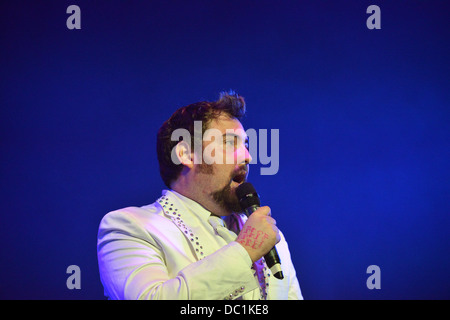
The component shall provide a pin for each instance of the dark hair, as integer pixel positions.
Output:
(229, 103)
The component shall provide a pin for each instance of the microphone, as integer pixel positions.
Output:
(249, 201)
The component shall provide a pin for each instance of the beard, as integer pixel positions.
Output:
(226, 198)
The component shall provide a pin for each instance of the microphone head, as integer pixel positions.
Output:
(247, 196)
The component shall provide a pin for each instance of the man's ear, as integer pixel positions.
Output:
(181, 154)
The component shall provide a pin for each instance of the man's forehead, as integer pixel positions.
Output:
(227, 124)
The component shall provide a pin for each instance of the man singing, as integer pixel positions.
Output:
(188, 244)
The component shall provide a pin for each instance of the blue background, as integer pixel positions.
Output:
(363, 118)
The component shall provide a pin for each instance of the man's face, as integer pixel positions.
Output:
(224, 164)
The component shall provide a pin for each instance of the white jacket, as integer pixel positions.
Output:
(168, 250)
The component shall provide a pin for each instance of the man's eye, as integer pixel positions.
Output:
(232, 142)
(229, 142)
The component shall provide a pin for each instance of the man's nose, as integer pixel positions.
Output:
(248, 157)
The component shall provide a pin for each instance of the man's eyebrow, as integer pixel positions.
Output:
(227, 134)
(232, 134)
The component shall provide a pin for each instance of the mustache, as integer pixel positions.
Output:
(242, 169)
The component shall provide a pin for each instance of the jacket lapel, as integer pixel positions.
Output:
(175, 213)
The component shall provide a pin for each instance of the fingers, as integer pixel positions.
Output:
(267, 212)
(271, 221)
(264, 211)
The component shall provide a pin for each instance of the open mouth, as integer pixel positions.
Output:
(240, 177)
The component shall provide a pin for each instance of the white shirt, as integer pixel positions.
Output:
(169, 250)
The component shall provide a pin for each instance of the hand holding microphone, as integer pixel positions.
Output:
(259, 233)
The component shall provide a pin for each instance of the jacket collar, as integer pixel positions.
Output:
(185, 214)
(194, 207)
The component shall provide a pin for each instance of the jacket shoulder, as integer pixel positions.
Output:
(136, 221)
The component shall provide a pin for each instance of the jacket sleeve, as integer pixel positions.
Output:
(132, 266)
(294, 287)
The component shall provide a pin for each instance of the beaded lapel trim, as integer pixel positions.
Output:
(171, 211)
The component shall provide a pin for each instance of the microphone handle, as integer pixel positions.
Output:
(272, 258)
